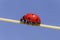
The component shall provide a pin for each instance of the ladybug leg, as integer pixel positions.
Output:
(33, 23)
(28, 22)
(22, 20)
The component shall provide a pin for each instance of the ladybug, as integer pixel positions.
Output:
(31, 18)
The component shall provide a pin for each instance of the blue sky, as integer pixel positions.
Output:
(48, 10)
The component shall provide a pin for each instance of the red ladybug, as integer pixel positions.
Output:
(31, 18)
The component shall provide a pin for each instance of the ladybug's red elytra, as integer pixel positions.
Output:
(31, 18)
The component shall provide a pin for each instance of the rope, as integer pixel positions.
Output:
(42, 25)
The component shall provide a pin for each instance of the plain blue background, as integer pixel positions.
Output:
(48, 10)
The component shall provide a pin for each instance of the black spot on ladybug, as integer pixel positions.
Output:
(32, 14)
(28, 18)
